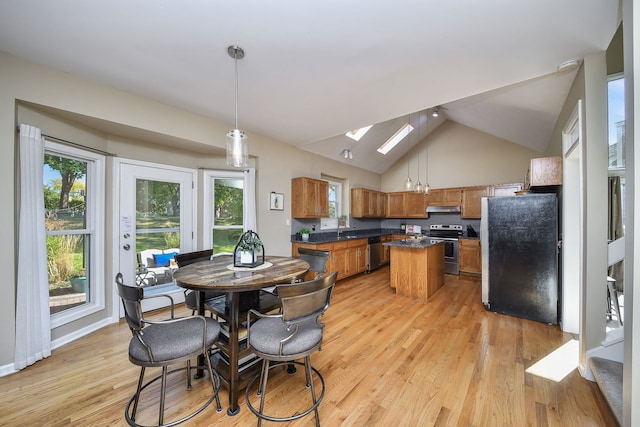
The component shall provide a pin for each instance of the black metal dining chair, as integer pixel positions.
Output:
(190, 297)
(160, 343)
(294, 333)
(317, 260)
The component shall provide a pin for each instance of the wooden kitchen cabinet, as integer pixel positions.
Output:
(348, 257)
(309, 198)
(415, 205)
(445, 197)
(395, 205)
(471, 206)
(384, 253)
(470, 256)
(406, 204)
(353, 259)
(500, 190)
(366, 203)
(545, 171)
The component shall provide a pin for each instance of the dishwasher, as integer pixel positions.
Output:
(374, 253)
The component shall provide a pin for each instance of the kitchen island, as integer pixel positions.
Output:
(417, 267)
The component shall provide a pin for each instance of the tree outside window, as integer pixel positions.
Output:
(67, 240)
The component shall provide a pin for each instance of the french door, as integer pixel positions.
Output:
(157, 217)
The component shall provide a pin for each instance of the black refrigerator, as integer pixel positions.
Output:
(519, 239)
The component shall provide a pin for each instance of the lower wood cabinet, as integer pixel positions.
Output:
(470, 254)
(348, 257)
(384, 253)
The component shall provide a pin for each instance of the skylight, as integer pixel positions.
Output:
(405, 130)
(358, 133)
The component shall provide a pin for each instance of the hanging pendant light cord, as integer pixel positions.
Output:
(235, 58)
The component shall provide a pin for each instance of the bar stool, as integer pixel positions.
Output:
(295, 333)
(612, 296)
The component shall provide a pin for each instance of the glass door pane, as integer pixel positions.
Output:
(228, 221)
(157, 229)
(156, 221)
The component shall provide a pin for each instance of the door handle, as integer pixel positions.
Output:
(126, 247)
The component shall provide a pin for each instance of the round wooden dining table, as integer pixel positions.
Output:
(242, 287)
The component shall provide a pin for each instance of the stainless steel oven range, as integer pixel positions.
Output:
(449, 234)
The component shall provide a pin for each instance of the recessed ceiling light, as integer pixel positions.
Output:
(568, 66)
(396, 138)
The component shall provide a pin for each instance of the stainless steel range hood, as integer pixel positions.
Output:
(443, 209)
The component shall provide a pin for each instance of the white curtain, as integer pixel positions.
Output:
(33, 326)
(249, 202)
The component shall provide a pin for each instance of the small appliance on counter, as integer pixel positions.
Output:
(414, 229)
(471, 232)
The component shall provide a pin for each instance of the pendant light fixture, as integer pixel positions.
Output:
(408, 185)
(237, 140)
(418, 187)
(426, 188)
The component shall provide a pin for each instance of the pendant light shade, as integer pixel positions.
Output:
(408, 185)
(237, 149)
(237, 140)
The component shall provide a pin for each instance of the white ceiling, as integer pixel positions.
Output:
(315, 70)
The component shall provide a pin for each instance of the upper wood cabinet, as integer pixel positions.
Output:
(444, 197)
(471, 206)
(406, 204)
(366, 203)
(500, 190)
(309, 198)
(545, 171)
(395, 205)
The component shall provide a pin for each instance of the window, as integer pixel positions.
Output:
(335, 205)
(73, 190)
(224, 210)
(616, 135)
(357, 134)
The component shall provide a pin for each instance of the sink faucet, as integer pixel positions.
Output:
(338, 232)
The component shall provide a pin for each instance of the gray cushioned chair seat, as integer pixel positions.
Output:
(267, 333)
(173, 340)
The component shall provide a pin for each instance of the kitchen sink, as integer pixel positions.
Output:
(347, 237)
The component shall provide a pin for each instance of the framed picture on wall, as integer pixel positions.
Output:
(277, 202)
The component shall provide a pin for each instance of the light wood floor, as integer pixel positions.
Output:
(387, 361)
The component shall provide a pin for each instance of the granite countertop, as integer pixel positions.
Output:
(351, 234)
(425, 242)
(332, 236)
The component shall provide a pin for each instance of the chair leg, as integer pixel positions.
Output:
(137, 396)
(307, 367)
(214, 379)
(189, 374)
(612, 295)
(263, 387)
(163, 392)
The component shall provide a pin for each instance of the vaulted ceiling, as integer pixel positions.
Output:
(315, 70)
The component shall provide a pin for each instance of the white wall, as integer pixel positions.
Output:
(82, 111)
(454, 155)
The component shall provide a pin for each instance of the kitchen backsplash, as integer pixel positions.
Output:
(367, 224)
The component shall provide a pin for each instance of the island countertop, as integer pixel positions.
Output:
(412, 243)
